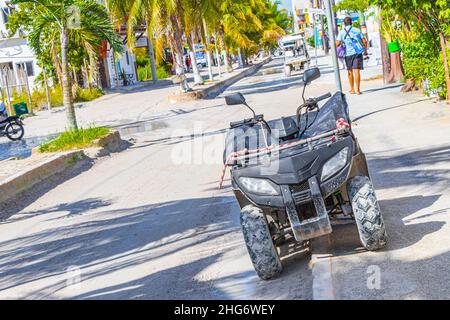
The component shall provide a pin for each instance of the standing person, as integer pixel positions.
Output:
(355, 45)
(3, 113)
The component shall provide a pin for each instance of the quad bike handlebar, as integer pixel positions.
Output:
(322, 97)
(310, 104)
(247, 122)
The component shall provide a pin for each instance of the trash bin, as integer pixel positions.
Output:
(20, 109)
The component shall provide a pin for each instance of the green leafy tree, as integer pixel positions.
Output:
(359, 6)
(432, 16)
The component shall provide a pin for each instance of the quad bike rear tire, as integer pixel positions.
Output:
(259, 243)
(288, 71)
(369, 220)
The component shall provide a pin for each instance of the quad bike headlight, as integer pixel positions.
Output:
(335, 164)
(259, 186)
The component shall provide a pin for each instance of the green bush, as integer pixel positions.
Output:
(422, 61)
(311, 42)
(89, 94)
(39, 97)
(74, 139)
(142, 61)
(145, 73)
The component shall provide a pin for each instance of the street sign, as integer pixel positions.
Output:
(316, 11)
(141, 42)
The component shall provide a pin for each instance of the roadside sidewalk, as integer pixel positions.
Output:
(116, 110)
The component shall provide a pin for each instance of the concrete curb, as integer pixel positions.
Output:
(105, 146)
(215, 89)
(322, 270)
(23, 181)
(13, 186)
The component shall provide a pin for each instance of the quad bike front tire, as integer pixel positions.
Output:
(288, 71)
(259, 243)
(369, 220)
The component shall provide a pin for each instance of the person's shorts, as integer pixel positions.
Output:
(355, 62)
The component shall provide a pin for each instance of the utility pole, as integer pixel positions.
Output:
(332, 36)
(296, 19)
(315, 37)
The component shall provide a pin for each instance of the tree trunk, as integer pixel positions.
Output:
(66, 82)
(27, 86)
(219, 62)
(444, 55)
(409, 86)
(56, 60)
(197, 76)
(226, 56)
(208, 52)
(178, 48)
(241, 58)
(47, 90)
(396, 73)
(151, 53)
(385, 58)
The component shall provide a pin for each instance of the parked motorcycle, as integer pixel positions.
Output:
(12, 128)
(294, 176)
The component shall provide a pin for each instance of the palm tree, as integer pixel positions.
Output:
(83, 23)
(237, 19)
(160, 16)
(275, 23)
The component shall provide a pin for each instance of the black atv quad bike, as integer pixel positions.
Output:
(293, 176)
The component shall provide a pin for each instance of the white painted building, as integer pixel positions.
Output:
(113, 67)
(16, 57)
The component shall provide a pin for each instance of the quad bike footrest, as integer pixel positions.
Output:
(310, 228)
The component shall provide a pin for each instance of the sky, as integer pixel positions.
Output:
(287, 4)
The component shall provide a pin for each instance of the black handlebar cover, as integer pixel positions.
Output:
(325, 96)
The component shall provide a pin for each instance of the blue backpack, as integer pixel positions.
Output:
(356, 43)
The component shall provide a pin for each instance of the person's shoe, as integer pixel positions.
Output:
(359, 93)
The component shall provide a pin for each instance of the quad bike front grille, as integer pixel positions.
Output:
(302, 197)
(301, 193)
(298, 188)
(307, 223)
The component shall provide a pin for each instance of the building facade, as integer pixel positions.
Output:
(117, 70)
(18, 64)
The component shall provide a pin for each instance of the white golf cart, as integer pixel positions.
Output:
(295, 52)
